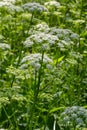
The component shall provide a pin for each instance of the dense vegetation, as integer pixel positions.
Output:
(43, 65)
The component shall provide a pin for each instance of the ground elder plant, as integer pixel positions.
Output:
(43, 65)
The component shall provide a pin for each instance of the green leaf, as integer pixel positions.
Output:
(61, 58)
(56, 109)
(85, 106)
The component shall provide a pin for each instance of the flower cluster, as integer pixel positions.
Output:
(16, 8)
(5, 4)
(18, 97)
(67, 38)
(31, 7)
(4, 100)
(20, 74)
(75, 115)
(64, 34)
(34, 60)
(10, 1)
(39, 28)
(4, 46)
(42, 34)
(10, 7)
(43, 27)
(52, 6)
(40, 38)
(52, 3)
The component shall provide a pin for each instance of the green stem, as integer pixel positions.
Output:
(37, 87)
(13, 78)
(30, 22)
(7, 116)
(36, 92)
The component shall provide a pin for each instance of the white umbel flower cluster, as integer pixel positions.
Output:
(31, 7)
(64, 34)
(9, 1)
(66, 37)
(5, 4)
(4, 46)
(34, 60)
(16, 8)
(43, 27)
(10, 6)
(76, 115)
(40, 38)
(52, 3)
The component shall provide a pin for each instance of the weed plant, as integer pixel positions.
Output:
(43, 65)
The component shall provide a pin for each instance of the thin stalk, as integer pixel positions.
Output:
(13, 78)
(7, 116)
(31, 20)
(36, 92)
(79, 49)
(37, 87)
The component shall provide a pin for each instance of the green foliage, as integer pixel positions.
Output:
(43, 65)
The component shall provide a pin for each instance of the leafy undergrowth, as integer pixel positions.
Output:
(43, 65)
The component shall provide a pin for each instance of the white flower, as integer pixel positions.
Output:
(64, 34)
(10, 1)
(66, 119)
(4, 46)
(75, 114)
(28, 42)
(37, 66)
(5, 4)
(52, 3)
(49, 66)
(43, 27)
(9, 5)
(16, 8)
(74, 36)
(34, 60)
(40, 38)
(66, 38)
(31, 7)
(79, 121)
